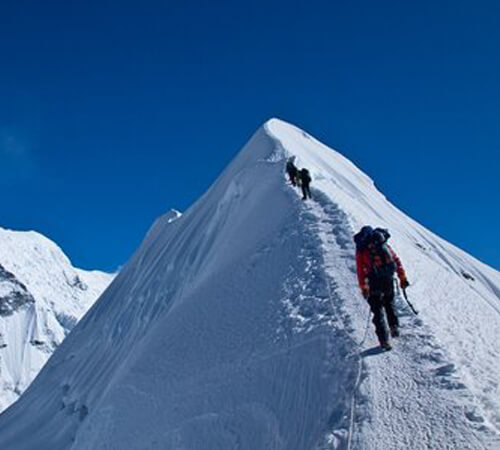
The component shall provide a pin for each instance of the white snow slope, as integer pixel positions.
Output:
(42, 296)
(240, 326)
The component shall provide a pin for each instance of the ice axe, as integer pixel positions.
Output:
(405, 295)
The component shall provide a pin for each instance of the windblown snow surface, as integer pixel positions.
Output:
(240, 326)
(42, 296)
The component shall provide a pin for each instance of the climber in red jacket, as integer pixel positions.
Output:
(376, 264)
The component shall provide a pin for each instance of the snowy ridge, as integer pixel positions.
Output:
(459, 296)
(239, 325)
(42, 296)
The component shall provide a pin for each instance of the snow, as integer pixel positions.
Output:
(239, 325)
(42, 297)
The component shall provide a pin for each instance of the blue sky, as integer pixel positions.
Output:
(113, 112)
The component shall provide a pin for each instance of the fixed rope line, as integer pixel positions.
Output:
(356, 386)
(359, 370)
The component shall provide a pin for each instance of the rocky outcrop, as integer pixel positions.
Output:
(13, 294)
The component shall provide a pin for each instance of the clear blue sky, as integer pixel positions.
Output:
(113, 112)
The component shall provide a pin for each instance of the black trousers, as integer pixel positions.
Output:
(381, 301)
(306, 192)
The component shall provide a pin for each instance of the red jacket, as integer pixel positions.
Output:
(365, 263)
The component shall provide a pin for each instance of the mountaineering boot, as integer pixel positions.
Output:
(394, 332)
(386, 345)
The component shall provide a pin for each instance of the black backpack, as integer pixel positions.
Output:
(304, 175)
(378, 236)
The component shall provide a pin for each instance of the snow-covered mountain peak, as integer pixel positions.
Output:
(42, 296)
(357, 195)
(240, 325)
(37, 262)
(319, 156)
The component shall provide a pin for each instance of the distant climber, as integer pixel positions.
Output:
(305, 180)
(292, 170)
(376, 265)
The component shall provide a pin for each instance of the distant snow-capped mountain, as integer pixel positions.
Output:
(42, 297)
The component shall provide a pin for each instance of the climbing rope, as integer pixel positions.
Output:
(357, 352)
(356, 385)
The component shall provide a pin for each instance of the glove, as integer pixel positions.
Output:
(404, 283)
(365, 292)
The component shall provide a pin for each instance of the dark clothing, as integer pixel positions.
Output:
(305, 180)
(292, 172)
(382, 299)
(306, 192)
